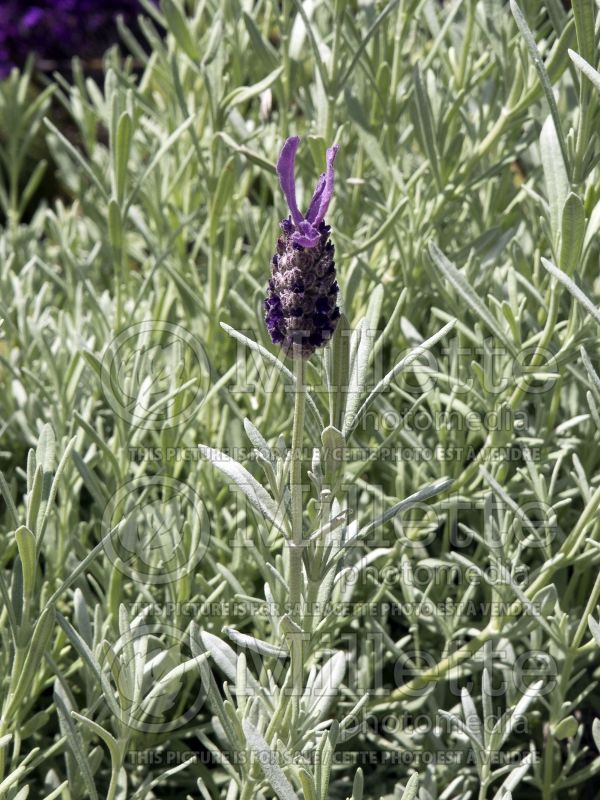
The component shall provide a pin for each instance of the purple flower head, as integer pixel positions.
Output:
(301, 305)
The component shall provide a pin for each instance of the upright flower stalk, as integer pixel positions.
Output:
(295, 579)
(301, 314)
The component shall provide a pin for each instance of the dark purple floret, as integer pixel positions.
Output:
(301, 305)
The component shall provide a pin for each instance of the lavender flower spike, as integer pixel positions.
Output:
(301, 304)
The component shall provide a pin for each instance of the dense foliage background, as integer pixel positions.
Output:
(140, 208)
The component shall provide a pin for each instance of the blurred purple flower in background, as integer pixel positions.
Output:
(56, 30)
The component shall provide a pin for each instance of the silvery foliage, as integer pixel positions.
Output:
(466, 228)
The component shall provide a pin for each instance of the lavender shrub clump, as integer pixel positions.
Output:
(301, 303)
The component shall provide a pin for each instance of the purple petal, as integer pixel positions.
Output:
(306, 235)
(285, 170)
(324, 191)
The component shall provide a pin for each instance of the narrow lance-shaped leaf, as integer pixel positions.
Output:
(225, 658)
(91, 662)
(471, 716)
(573, 289)
(572, 233)
(360, 347)
(89, 169)
(596, 733)
(26, 545)
(410, 792)
(39, 642)
(594, 628)
(425, 124)
(413, 355)
(252, 489)
(555, 174)
(515, 776)
(586, 69)
(256, 645)
(268, 762)
(271, 359)
(584, 13)
(157, 158)
(74, 739)
(460, 284)
(320, 695)
(179, 27)
(243, 93)
(543, 75)
(413, 499)
(121, 154)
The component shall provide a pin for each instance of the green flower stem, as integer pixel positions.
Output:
(548, 759)
(3, 730)
(117, 761)
(114, 781)
(296, 543)
(249, 785)
(493, 135)
(295, 560)
(19, 660)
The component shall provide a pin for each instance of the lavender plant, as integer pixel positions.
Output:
(393, 591)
